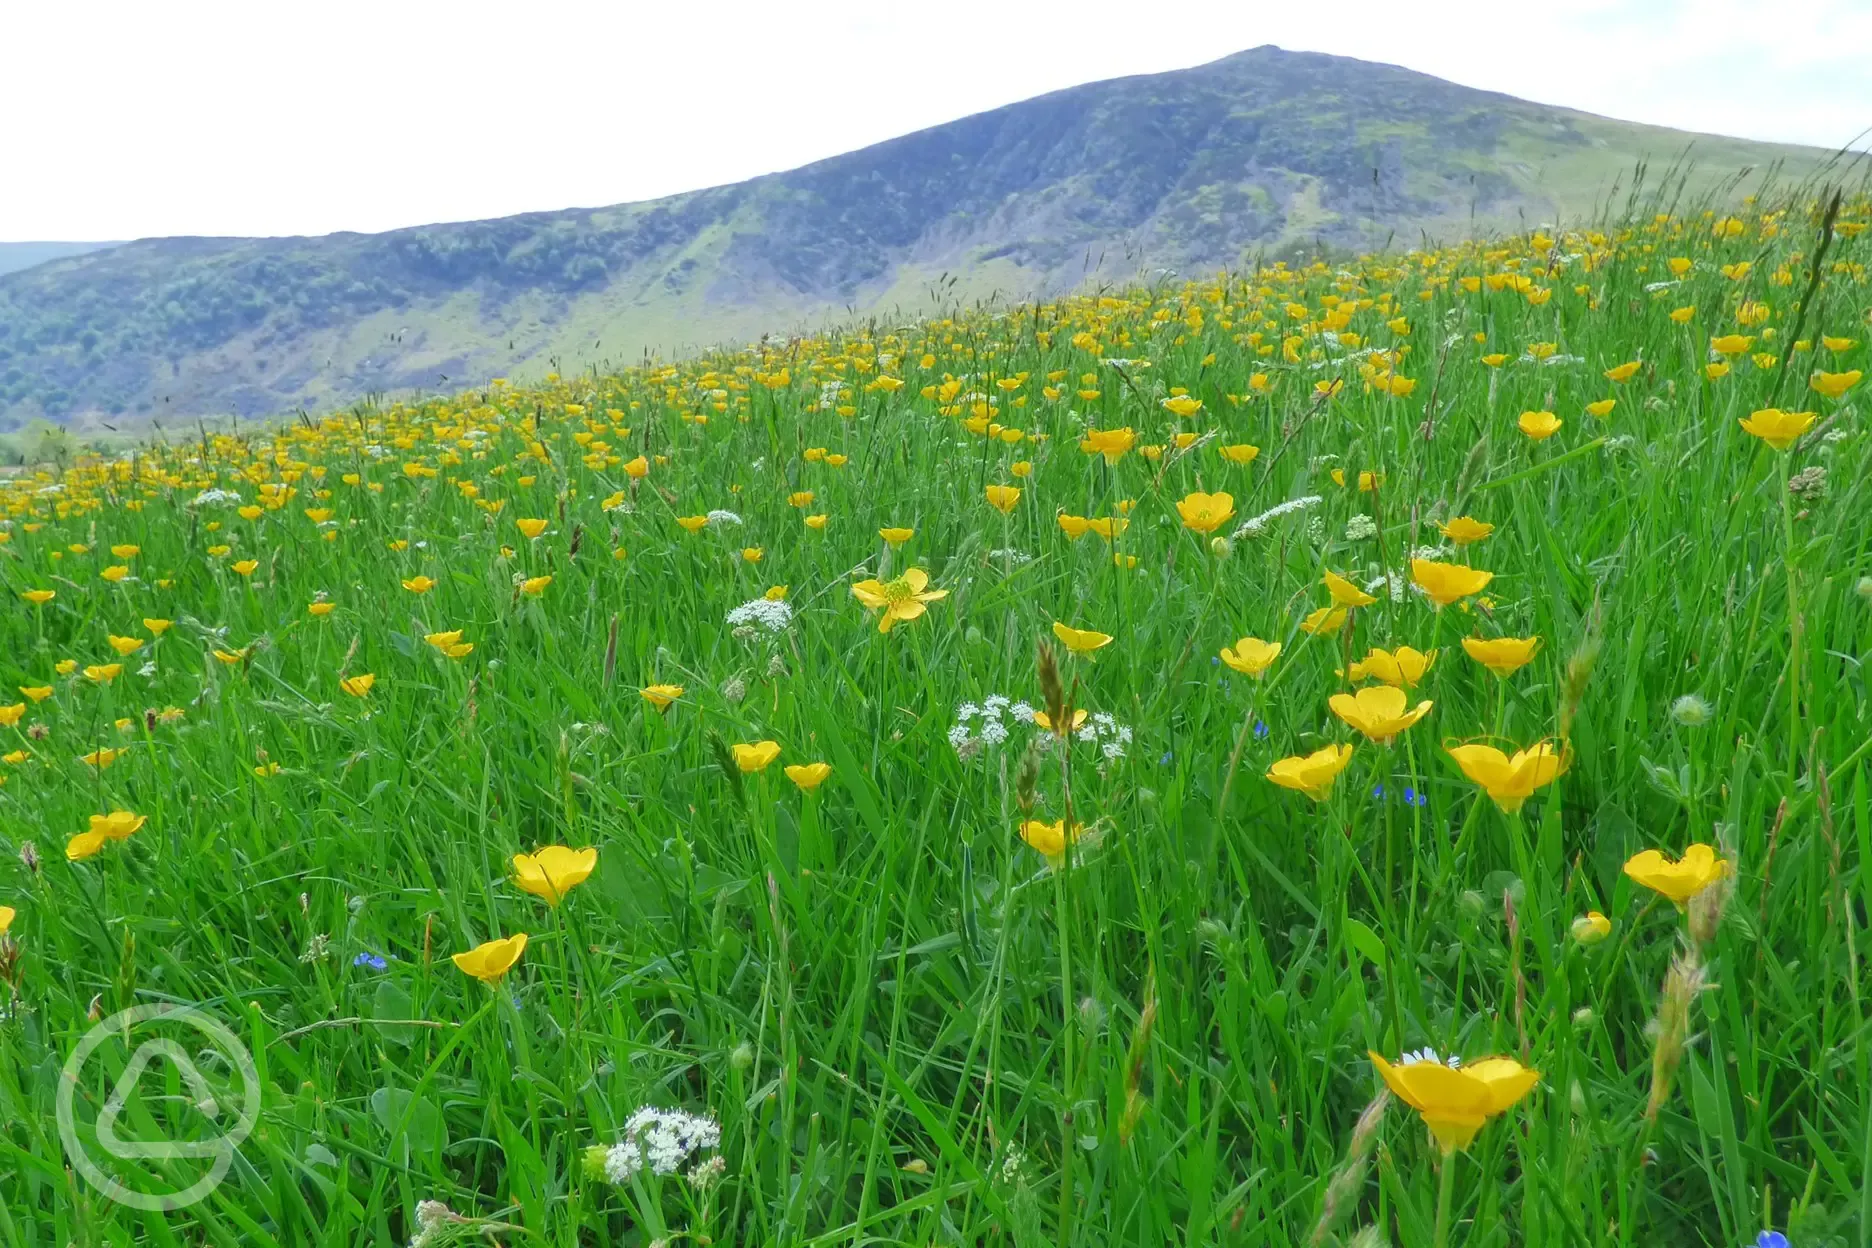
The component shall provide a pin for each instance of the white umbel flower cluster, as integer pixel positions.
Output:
(970, 737)
(659, 1140)
(214, 498)
(1255, 526)
(719, 516)
(771, 614)
(1107, 733)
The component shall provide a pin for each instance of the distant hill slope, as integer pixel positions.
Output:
(17, 256)
(1190, 170)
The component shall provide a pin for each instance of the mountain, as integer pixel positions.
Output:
(17, 256)
(1263, 151)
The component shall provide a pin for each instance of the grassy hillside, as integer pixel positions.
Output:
(1261, 152)
(1466, 843)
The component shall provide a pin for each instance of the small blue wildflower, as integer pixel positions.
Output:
(1771, 1239)
(1413, 798)
(375, 961)
(1260, 729)
(1165, 760)
(1378, 792)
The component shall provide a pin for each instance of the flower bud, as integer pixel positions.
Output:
(742, 1058)
(1221, 547)
(1591, 928)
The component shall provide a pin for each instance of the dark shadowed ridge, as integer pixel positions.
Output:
(1258, 153)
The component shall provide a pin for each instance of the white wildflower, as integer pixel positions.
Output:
(774, 615)
(1360, 527)
(214, 498)
(659, 1140)
(719, 516)
(1256, 525)
(1429, 1056)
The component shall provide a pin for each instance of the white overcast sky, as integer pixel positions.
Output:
(124, 120)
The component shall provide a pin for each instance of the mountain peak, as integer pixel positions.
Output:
(1254, 154)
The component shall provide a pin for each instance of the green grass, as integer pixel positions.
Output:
(910, 1029)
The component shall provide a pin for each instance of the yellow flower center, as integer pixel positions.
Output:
(899, 591)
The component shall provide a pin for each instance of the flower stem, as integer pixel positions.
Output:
(1446, 1186)
(1794, 628)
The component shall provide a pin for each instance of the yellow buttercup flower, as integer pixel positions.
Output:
(7, 915)
(530, 528)
(660, 696)
(1251, 656)
(1325, 622)
(1045, 721)
(116, 826)
(37, 693)
(1205, 513)
(1731, 344)
(11, 715)
(1074, 527)
(320, 608)
(1448, 582)
(39, 597)
(755, 757)
(1502, 655)
(695, 524)
(117, 572)
(358, 686)
(1833, 385)
(1539, 425)
(245, 566)
(552, 871)
(896, 537)
(489, 961)
(900, 599)
(1465, 530)
(1003, 497)
(637, 469)
(1456, 1100)
(1051, 839)
(1601, 408)
(1345, 593)
(1367, 481)
(1777, 428)
(1312, 774)
(419, 584)
(1680, 880)
(1624, 372)
(124, 645)
(808, 776)
(103, 673)
(1403, 667)
(534, 586)
(1381, 712)
(156, 627)
(1511, 780)
(1080, 640)
(1239, 452)
(1111, 443)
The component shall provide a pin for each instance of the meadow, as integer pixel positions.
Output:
(1365, 753)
